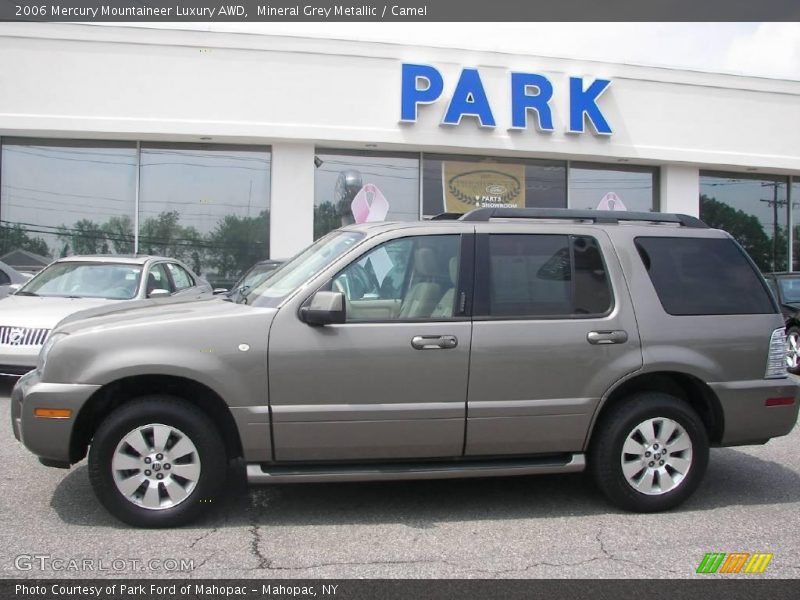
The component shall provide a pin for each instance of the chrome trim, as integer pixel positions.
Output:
(22, 336)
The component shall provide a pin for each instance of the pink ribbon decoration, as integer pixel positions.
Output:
(369, 205)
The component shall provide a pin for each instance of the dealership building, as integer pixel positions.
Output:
(225, 148)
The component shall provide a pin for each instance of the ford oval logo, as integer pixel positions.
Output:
(496, 189)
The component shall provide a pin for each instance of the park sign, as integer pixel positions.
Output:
(530, 93)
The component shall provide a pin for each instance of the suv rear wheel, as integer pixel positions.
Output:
(157, 461)
(649, 453)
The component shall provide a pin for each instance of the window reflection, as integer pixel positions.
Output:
(205, 205)
(753, 210)
(64, 198)
(356, 187)
(595, 186)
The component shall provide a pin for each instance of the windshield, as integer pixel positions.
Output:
(293, 274)
(790, 289)
(85, 280)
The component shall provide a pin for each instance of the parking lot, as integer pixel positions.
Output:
(552, 526)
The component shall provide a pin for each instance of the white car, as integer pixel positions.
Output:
(78, 283)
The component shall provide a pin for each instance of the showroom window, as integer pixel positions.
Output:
(66, 197)
(458, 184)
(205, 205)
(753, 209)
(598, 186)
(794, 200)
(357, 187)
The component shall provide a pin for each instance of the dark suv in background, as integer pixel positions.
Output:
(786, 287)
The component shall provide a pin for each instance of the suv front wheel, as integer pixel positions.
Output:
(157, 461)
(649, 453)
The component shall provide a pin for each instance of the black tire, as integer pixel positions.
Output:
(173, 412)
(613, 429)
(793, 330)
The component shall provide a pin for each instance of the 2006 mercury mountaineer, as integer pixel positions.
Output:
(506, 342)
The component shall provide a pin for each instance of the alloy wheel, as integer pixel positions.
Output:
(156, 466)
(656, 456)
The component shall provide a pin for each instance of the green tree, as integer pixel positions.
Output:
(326, 218)
(119, 231)
(164, 235)
(16, 237)
(745, 228)
(85, 237)
(236, 243)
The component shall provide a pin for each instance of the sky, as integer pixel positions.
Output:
(758, 49)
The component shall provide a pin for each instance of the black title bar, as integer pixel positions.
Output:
(710, 588)
(97, 11)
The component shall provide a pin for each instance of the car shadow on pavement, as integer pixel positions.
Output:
(734, 478)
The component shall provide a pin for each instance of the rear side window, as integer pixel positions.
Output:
(533, 275)
(180, 276)
(696, 276)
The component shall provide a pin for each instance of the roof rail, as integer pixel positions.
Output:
(447, 216)
(596, 216)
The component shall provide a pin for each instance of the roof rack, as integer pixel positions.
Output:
(596, 216)
(447, 216)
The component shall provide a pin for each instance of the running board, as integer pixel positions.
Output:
(265, 474)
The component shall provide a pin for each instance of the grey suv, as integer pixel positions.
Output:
(506, 342)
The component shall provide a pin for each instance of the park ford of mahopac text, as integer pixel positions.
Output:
(197, 589)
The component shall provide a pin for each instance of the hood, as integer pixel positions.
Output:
(153, 312)
(118, 307)
(43, 312)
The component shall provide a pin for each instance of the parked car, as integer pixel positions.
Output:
(253, 277)
(10, 279)
(786, 287)
(77, 283)
(508, 342)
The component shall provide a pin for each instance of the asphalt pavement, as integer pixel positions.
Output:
(525, 527)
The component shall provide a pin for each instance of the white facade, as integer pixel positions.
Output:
(296, 95)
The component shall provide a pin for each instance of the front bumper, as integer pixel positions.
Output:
(18, 360)
(47, 438)
(748, 420)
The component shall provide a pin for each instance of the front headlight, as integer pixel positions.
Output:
(48, 345)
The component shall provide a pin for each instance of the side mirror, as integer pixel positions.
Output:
(324, 308)
(218, 291)
(158, 293)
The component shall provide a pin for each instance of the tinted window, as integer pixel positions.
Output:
(406, 279)
(703, 277)
(545, 276)
(4, 279)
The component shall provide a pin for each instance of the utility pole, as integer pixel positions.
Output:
(774, 203)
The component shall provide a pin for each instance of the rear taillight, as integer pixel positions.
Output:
(776, 359)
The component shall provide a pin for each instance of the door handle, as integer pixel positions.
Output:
(434, 342)
(607, 337)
